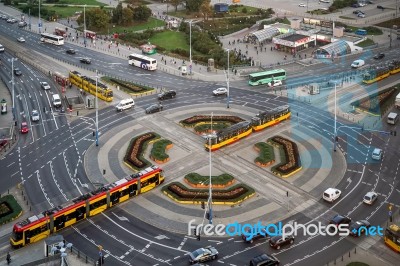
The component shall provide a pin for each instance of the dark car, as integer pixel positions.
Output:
(85, 60)
(355, 5)
(380, 7)
(278, 241)
(357, 12)
(71, 51)
(339, 219)
(379, 56)
(167, 95)
(249, 238)
(264, 260)
(154, 108)
(348, 30)
(359, 227)
(17, 71)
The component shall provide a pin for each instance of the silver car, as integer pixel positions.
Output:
(35, 116)
(370, 198)
(203, 254)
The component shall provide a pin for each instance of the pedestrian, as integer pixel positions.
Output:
(271, 48)
(257, 52)
(8, 258)
(118, 50)
(73, 38)
(265, 49)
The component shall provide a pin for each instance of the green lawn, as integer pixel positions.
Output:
(152, 23)
(233, 12)
(64, 12)
(367, 42)
(80, 2)
(170, 40)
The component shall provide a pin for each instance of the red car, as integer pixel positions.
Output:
(24, 128)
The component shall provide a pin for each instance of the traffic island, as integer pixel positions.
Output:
(230, 196)
(197, 120)
(134, 153)
(128, 87)
(9, 209)
(289, 155)
(266, 155)
(377, 104)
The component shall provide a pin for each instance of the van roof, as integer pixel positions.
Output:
(358, 61)
(392, 115)
(330, 190)
(126, 100)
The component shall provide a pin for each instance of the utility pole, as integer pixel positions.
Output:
(97, 114)
(227, 82)
(84, 25)
(40, 22)
(190, 47)
(210, 184)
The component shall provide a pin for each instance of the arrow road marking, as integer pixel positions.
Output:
(121, 218)
(159, 237)
(216, 241)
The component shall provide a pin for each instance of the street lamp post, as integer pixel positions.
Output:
(335, 129)
(227, 82)
(97, 114)
(40, 22)
(210, 186)
(190, 47)
(13, 84)
(84, 25)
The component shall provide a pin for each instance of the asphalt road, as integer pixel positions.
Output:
(49, 161)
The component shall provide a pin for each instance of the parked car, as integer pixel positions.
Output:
(264, 260)
(167, 95)
(45, 85)
(370, 198)
(154, 108)
(24, 128)
(331, 194)
(85, 60)
(35, 116)
(361, 15)
(70, 51)
(220, 91)
(17, 71)
(203, 254)
(355, 5)
(380, 7)
(379, 56)
(21, 39)
(348, 30)
(275, 83)
(278, 241)
(359, 227)
(258, 235)
(302, 5)
(22, 24)
(339, 219)
(357, 11)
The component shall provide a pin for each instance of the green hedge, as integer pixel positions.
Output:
(128, 86)
(266, 154)
(194, 120)
(158, 150)
(207, 127)
(222, 179)
(14, 206)
(202, 194)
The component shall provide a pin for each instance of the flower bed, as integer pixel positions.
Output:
(233, 195)
(290, 163)
(134, 154)
(377, 103)
(194, 120)
(200, 181)
(266, 154)
(204, 128)
(157, 153)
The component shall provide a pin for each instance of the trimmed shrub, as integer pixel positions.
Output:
(207, 127)
(291, 158)
(130, 86)
(158, 150)
(9, 209)
(137, 146)
(193, 120)
(197, 179)
(266, 153)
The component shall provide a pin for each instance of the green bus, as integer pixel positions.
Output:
(266, 76)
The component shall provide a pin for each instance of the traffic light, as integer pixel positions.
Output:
(94, 133)
(203, 205)
(393, 132)
(195, 231)
(207, 215)
(198, 237)
(362, 128)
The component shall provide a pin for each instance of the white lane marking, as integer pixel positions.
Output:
(41, 187)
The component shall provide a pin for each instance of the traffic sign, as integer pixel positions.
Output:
(100, 254)
(390, 213)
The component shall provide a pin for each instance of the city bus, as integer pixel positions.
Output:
(53, 39)
(143, 61)
(264, 77)
(392, 237)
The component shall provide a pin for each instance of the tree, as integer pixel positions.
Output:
(7, 2)
(141, 13)
(96, 19)
(117, 14)
(127, 16)
(193, 5)
(175, 3)
(206, 9)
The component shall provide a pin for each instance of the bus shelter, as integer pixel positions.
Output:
(338, 48)
(262, 35)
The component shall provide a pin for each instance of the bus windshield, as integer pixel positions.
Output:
(260, 78)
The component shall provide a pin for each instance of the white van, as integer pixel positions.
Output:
(56, 100)
(358, 63)
(331, 194)
(392, 118)
(397, 102)
(125, 104)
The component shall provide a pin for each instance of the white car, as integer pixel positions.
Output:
(45, 85)
(370, 198)
(302, 5)
(21, 39)
(361, 15)
(220, 91)
(331, 194)
(35, 115)
(275, 83)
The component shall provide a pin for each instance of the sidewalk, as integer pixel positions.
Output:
(359, 255)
